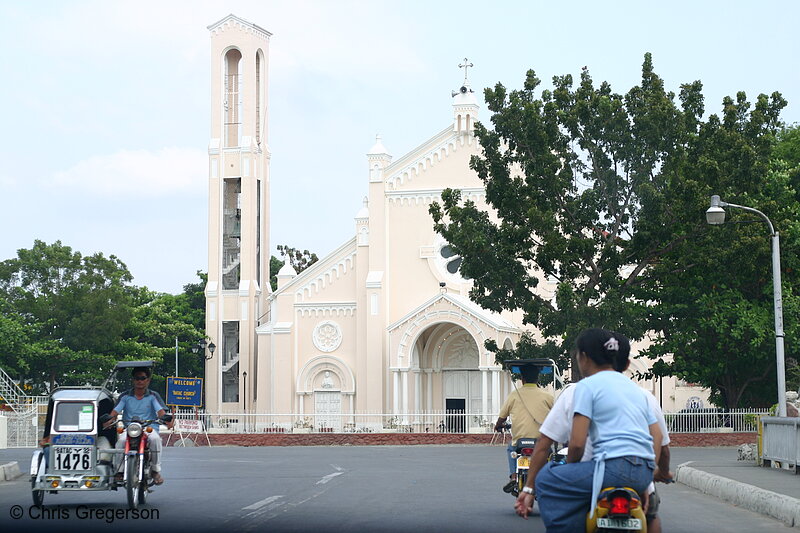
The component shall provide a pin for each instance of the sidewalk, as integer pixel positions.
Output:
(716, 471)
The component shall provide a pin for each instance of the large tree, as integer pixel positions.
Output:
(67, 319)
(602, 192)
(158, 320)
(73, 310)
(715, 290)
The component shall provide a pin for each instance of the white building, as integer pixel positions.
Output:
(383, 323)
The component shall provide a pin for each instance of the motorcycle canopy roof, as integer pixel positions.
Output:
(123, 365)
(134, 364)
(514, 366)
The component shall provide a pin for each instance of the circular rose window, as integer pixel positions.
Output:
(327, 336)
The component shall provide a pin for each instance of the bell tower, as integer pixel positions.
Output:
(238, 209)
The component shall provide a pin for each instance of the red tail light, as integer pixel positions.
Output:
(619, 505)
(527, 451)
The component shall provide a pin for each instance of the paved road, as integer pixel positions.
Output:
(380, 488)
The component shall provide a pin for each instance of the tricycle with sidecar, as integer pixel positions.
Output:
(78, 453)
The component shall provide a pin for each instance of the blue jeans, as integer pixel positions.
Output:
(512, 463)
(564, 491)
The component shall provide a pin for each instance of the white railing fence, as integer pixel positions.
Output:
(431, 422)
(715, 420)
(700, 421)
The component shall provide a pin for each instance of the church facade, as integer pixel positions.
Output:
(383, 324)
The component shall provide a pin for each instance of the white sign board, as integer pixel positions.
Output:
(188, 426)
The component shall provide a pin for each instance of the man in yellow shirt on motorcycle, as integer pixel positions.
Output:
(527, 406)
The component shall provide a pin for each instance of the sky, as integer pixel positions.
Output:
(106, 104)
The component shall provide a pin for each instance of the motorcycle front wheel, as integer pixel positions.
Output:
(132, 482)
(143, 483)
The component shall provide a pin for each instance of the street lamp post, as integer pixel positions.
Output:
(716, 215)
(201, 347)
(244, 389)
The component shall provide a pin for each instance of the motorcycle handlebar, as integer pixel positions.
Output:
(163, 420)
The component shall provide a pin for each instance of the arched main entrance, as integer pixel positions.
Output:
(438, 360)
(447, 362)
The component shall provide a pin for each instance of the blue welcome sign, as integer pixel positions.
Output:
(185, 391)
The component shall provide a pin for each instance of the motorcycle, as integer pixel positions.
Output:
(522, 453)
(135, 468)
(77, 451)
(617, 508)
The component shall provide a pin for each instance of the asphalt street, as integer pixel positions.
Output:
(326, 489)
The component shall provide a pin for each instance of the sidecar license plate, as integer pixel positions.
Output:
(524, 462)
(72, 457)
(633, 524)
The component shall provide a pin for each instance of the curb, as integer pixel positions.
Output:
(750, 497)
(9, 471)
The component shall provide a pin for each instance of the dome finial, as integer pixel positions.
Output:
(378, 148)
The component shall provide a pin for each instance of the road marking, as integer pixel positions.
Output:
(261, 503)
(329, 477)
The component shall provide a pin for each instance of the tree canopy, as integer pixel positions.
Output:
(68, 318)
(604, 194)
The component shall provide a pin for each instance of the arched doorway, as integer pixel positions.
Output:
(446, 361)
(327, 402)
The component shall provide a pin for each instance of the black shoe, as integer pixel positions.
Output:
(509, 487)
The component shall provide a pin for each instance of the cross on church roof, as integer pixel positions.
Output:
(465, 66)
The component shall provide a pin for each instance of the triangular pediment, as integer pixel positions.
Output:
(325, 271)
(238, 21)
(459, 306)
(409, 172)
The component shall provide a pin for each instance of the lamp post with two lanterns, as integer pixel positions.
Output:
(715, 215)
(200, 347)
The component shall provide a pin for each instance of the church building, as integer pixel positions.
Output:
(383, 324)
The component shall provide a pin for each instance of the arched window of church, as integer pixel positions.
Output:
(232, 97)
